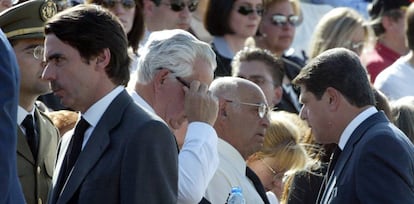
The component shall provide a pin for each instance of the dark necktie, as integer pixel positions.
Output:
(72, 153)
(334, 159)
(31, 135)
(257, 184)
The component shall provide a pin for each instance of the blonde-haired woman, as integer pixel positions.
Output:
(281, 153)
(340, 27)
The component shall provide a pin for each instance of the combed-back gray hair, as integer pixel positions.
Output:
(175, 50)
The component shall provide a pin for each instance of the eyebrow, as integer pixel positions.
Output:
(55, 56)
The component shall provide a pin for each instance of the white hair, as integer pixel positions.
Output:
(175, 50)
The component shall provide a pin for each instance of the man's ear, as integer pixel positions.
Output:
(103, 58)
(160, 77)
(333, 98)
(278, 91)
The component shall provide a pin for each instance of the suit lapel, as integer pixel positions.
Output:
(348, 150)
(96, 145)
(23, 147)
(47, 141)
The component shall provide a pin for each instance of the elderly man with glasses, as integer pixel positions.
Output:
(172, 81)
(241, 126)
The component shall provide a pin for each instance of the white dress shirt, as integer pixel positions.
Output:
(231, 172)
(197, 160)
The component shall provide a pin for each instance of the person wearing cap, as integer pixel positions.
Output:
(37, 137)
(387, 21)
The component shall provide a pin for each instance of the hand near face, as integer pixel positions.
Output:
(200, 104)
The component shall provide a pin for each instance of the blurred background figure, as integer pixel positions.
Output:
(387, 22)
(5, 4)
(340, 27)
(231, 23)
(396, 81)
(277, 29)
(37, 137)
(267, 71)
(403, 115)
(358, 5)
(309, 16)
(281, 153)
(10, 191)
(276, 32)
(197, 22)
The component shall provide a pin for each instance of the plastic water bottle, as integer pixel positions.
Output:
(236, 196)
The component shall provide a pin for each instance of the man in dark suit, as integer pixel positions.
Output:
(377, 160)
(118, 153)
(10, 190)
(37, 137)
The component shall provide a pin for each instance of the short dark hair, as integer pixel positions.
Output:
(341, 69)
(275, 64)
(409, 27)
(138, 28)
(217, 17)
(90, 29)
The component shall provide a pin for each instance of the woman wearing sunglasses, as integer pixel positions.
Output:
(231, 23)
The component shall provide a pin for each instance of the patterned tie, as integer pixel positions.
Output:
(72, 153)
(31, 136)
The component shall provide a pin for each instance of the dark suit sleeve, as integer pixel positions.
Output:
(10, 190)
(150, 168)
(385, 170)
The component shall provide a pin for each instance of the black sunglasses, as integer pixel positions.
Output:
(247, 10)
(281, 20)
(178, 6)
(128, 4)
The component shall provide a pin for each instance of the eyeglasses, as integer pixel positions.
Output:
(128, 4)
(354, 46)
(281, 20)
(262, 108)
(247, 10)
(184, 83)
(178, 6)
(276, 176)
(37, 52)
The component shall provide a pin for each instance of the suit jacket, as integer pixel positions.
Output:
(130, 157)
(36, 174)
(10, 190)
(375, 166)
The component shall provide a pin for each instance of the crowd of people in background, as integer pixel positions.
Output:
(182, 101)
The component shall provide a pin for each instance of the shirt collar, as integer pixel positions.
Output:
(140, 101)
(346, 134)
(95, 112)
(22, 113)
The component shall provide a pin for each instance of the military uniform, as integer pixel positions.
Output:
(35, 170)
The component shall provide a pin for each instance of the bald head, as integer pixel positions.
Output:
(242, 118)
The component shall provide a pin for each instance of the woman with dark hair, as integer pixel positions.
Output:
(231, 23)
